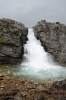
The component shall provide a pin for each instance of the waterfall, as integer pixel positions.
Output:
(35, 55)
(37, 62)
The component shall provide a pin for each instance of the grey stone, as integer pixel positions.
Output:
(53, 39)
(13, 36)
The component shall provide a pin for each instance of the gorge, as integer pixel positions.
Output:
(30, 61)
(19, 45)
(37, 63)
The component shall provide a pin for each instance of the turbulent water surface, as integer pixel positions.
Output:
(37, 63)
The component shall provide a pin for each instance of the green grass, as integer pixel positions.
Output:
(15, 30)
(57, 22)
(3, 30)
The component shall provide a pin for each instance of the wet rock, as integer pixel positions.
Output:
(53, 39)
(63, 98)
(2, 86)
(1, 77)
(36, 83)
(60, 84)
(51, 99)
(17, 97)
(24, 94)
(40, 87)
(13, 35)
(43, 90)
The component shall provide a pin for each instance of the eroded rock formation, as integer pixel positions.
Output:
(53, 38)
(12, 37)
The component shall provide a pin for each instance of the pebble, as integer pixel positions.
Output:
(16, 89)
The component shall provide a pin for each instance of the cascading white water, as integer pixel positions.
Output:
(35, 55)
(37, 62)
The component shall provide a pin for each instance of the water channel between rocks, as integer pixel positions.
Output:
(37, 64)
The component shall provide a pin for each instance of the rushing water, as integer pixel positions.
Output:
(37, 63)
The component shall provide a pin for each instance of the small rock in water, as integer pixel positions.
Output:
(8, 72)
(36, 83)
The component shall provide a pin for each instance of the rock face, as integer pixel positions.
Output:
(12, 37)
(53, 38)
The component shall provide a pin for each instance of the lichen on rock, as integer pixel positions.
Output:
(53, 38)
(13, 36)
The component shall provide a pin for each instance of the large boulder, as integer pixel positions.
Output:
(53, 38)
(13, 36)
(60, 84)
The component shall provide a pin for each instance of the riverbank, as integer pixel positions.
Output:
(15, 88)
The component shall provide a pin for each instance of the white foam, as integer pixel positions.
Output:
(36, 57)
(37, 61)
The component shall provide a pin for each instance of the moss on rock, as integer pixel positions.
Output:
(12, 37)
(15, 30)
(1, 40)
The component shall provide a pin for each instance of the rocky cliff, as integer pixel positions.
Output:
(53, 38)
(12, 37)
